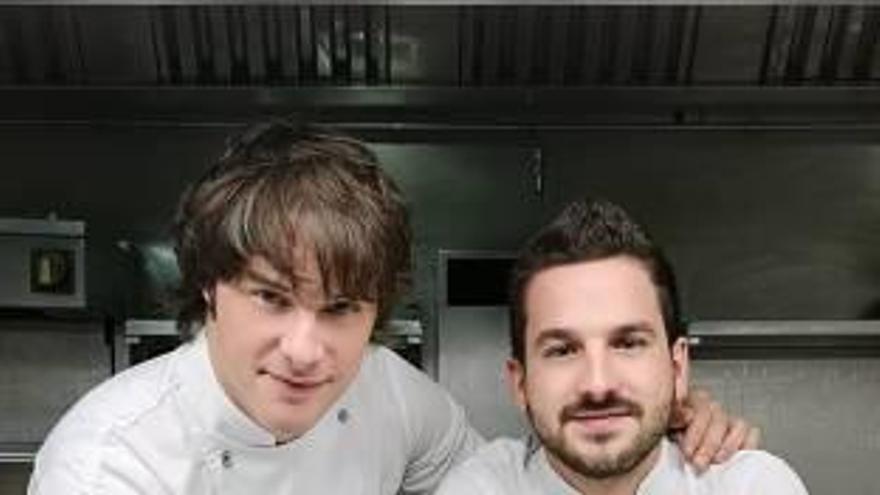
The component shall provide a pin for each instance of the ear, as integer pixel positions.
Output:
(680, 368)
(210, 300)
(516, 376)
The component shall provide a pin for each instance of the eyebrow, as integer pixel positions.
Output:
(640, 327)
(276, 284)
(558, 333)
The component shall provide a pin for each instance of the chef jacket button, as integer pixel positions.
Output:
(226, 459)
(342, 415)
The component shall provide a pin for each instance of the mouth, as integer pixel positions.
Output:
(293, 388)
(600, 422)
(591, 414)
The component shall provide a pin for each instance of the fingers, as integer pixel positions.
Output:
(735, 439)
(712, 438)
(753, 439)
(682, 416)
(696, 430)
(698, 396)
(707, 434)
(691, 419)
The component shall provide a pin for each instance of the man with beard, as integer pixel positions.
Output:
(599, 361)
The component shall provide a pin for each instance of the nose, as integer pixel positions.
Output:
(596, 376)
(300, 342)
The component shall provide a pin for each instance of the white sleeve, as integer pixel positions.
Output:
(57, 480)
(66, 462)
(438, 435)
(86, 468)
(780, 480)
(766, 474)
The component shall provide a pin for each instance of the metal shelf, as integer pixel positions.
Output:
(18, 453)
(785, 339)
(150, 328)
(396, 107)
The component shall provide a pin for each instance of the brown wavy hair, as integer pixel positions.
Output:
(280, 188)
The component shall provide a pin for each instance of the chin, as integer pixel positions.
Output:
(289, 431)
(610, 445)
(291, 420)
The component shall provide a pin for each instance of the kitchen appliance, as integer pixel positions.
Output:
(42, 263)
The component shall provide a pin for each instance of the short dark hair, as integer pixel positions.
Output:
(588, 230)
(282, 187)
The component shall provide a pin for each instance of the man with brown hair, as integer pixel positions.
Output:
(599, 361)
(292, 248)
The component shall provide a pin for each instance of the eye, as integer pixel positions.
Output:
(341, 307)
(630, 342)
(558, 350)
(270, 298)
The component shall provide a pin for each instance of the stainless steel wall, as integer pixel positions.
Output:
(819, 415)
(758, 224)
(44, 368)
(473, 347)
(13, 478)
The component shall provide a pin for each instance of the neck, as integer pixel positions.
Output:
(623, 484)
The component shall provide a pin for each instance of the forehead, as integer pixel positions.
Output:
(592, 297)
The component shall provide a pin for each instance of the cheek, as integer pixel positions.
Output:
(362, 328)
(544, 402)
(230, 314)
(241, 331)
(546, 391)
(350, 341)
(655, 381)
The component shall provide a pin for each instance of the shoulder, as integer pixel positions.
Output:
(379, 360)
(114, 403)
(496, 467)
(88, 434)
(500, 456)
(419, 403)
(395, 393)
(429, 430)
(757, 471)
(385, 374)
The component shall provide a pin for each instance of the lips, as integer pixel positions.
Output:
(295, 387)
(593, 414)
(600, 421)
(600, 426)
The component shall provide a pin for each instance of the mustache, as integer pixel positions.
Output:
(587, 403)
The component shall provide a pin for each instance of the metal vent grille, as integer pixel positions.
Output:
(471, 46)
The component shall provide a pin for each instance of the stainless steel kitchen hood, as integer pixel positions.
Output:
(486, 44)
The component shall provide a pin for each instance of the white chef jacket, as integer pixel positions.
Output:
(166, 427)
(515, 467)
